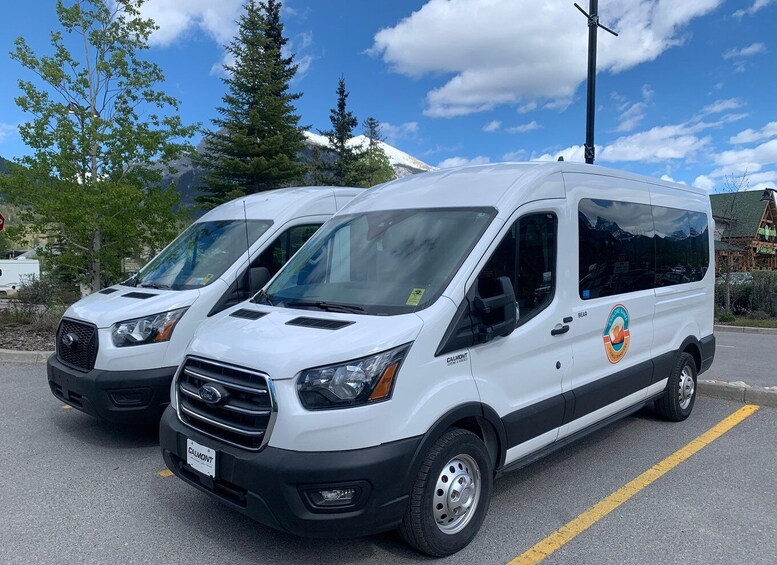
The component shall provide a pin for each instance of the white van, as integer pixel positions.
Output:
(441, 330)
(118, 349)
(15, 271)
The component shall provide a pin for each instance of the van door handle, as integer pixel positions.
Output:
(559, 329)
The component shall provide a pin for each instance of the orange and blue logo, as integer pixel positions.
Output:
(616, 334)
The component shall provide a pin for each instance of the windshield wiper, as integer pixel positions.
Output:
(326, 306)
(262, 296)
(159, 286)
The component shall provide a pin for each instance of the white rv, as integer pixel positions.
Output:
(15, 271)
(440, 330)
(118, 349)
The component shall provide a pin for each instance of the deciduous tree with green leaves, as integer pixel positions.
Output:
(102, 134)
(258, 139)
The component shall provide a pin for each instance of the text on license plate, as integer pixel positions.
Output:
(201, 458)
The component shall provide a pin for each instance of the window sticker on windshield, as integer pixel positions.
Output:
(207, 278)
(415, 297)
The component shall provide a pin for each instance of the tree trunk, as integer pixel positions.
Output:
(96, 249)
(727, 302)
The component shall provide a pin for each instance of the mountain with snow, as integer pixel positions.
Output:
(189, 177)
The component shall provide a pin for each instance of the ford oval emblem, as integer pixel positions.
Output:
(210, 394)
(69, 339)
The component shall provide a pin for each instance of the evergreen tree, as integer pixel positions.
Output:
(257, 144)
(373, 166)
(344, 156)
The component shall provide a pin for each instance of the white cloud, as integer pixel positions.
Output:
(176, 18)
(631, 116)
(657, 144)
(750, 135)
(755, 7)
(668, 178)
(526, 108)
(495, 54)
(7, 130)
(523, 128)
(574, 153)
(749, 51)
(394, 133)
(704, 182)
(749, 160)
(721, 106)
(492, 126)
(453, 162)
(517, 155)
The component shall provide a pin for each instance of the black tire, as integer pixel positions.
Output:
(419, 527)
(670, 406)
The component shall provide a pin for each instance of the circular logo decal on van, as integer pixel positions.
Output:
(616, 334)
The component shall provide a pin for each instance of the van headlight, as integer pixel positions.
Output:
(353, 383)
(150, 329)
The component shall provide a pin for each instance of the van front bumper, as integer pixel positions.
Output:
(274, 486)
(121, 397)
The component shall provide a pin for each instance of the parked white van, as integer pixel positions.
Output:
(15, 271)
(440, 330)
(118, 349)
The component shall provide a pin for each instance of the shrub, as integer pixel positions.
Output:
(726, 317)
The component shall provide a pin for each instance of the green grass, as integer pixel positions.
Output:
(749, 322)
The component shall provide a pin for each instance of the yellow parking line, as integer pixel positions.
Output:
(66, 407)
(165, 473)
(599, 510)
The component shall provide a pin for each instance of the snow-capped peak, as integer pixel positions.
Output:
(397, 157)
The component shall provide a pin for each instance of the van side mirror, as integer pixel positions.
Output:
(497, 310)
(258, 277)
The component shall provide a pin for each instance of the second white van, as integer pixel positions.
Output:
(118, 349)
(437, 332)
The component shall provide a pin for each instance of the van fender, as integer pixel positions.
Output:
(664, 363)
(491, 429)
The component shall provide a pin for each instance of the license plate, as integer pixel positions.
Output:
(201, 458)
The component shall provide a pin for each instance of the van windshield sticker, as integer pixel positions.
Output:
(616, 334)
(415, 297)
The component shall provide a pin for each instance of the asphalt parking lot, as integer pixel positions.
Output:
(75, 491)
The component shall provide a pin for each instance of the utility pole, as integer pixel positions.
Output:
(593, 27)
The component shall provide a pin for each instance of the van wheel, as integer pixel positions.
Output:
(450, 496)
(680, 396)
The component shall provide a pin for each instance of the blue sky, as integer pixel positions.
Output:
(687, 91)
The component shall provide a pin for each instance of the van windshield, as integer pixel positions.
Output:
(201, 254)
(383, 263)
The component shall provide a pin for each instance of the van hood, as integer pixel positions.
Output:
(276, 345)
(119, 303)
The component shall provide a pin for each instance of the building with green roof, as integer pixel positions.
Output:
(746, 230)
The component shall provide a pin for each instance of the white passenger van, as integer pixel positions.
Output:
(13, 272)
(440, 330)
(118, 349)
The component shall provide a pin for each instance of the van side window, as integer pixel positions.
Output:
(626, 247)
(682, 246)
(527, 255)
(284, 246)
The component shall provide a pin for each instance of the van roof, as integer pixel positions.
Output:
(274, 203)
(495, 185)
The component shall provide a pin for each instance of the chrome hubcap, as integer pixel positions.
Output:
(456, 494)
(687, 388)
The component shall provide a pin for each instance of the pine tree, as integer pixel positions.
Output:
(257, 144)
(344, 155)
(374, 166)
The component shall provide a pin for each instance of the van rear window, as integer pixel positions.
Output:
(627, 247)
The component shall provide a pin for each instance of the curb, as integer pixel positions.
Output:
(740, 392)
(14, 356)
(745, 330)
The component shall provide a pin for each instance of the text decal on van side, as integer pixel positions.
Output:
(616, 334)
(454, 359)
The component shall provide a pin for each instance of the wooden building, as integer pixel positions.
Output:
(745, 230)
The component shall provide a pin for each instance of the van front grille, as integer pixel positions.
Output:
(77, 344)
(246, 411)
